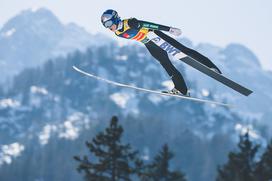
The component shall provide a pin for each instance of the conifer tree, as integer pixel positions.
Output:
(159, 169)
(241, 165)
(264, 166)
(114, 160)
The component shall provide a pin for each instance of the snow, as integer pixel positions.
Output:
(46, 133)
(38, 90)
(36, 95)
(5, 103)
(121, 57)
(71, 132)
(205, 92)
(156, 99)
(120, 99)
(243, 129)
(73, 125)
(7, 152)
(69, 129)
(126, 100)
(9, 33)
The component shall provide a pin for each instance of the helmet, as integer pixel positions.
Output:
(109, 18)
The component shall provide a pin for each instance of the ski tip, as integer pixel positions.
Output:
(74, 67)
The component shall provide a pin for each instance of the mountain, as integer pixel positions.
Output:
(52, 109)
(33, 36)
(49, 110)
(240, 64)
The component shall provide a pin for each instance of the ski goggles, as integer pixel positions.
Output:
(108, 20)
(108, 23)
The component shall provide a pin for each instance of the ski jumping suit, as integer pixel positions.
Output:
(137, 30)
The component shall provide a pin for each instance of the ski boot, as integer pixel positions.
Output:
(175, 91)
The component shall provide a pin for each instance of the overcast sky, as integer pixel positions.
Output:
(218, 22)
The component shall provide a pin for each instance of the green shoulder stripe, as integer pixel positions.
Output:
(149, 25)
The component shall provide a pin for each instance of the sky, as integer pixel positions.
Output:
(219, 22)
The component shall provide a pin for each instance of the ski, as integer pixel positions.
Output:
(170, 45)
(149, 90)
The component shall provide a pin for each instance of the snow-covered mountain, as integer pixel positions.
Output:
(53, 103)
(63, 106)
(33, 36)
(240, 64)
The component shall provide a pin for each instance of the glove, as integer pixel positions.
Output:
(175, 31)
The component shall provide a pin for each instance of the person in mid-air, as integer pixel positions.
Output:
(137, 30)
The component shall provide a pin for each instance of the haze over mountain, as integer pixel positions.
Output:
(33, 36)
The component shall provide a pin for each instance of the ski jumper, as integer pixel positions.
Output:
(137, 30)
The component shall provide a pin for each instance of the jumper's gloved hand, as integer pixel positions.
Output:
(175, 31)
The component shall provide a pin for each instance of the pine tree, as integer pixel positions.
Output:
(115, 161)
(264, 167)
(241, 165)
(159, 169)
